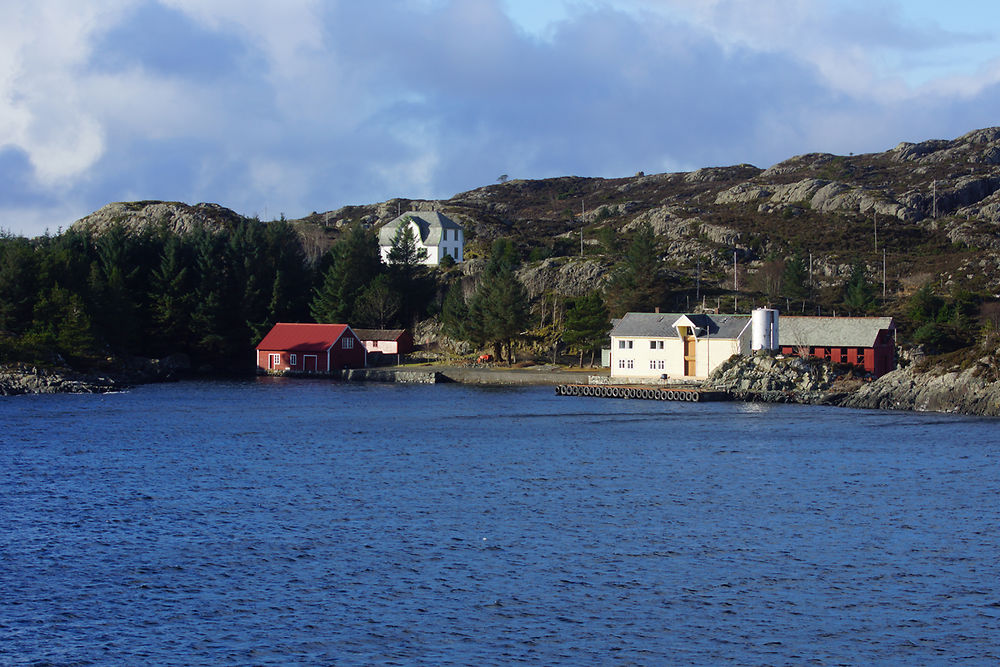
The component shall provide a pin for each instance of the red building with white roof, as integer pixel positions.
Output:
(310, 348)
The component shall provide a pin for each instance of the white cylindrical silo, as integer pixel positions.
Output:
(760, 330)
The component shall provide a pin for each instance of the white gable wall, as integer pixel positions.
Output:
(634, 357)
(452, 243)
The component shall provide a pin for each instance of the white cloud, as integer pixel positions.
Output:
(44, 46)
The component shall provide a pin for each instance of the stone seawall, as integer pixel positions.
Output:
(386, 375)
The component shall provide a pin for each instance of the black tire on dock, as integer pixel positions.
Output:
(695, 396)
(647, 394)
(574, 390)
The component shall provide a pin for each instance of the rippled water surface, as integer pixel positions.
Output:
(298, 522)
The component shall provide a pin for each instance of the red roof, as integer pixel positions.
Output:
(302, 337)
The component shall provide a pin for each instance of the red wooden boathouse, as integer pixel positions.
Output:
(310, 348)
(869, 342)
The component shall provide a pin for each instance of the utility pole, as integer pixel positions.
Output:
(583, 216)
(697, 284)
(876, 232)
(883, 273)
(934, 187)
(736, 285)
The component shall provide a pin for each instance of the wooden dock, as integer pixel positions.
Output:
(642, 393)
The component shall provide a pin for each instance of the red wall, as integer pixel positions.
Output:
(353, 357)
(877, 360)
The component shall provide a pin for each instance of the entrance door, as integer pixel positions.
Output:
(309, 363)
(689, 357)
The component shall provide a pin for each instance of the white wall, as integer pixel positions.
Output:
(451, 245)
(709, 353)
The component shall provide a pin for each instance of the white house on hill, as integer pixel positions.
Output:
(433, 231)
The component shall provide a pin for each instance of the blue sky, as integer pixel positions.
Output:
(309, 105)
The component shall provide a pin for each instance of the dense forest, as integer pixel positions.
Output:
(88, 300)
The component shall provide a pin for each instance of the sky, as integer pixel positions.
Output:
(285, 108)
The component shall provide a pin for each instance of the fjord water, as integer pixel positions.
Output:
(308, 522)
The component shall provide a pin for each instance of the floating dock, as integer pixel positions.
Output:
(641, 393)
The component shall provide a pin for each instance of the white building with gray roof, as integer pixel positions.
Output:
(675, 345)
(435, 232)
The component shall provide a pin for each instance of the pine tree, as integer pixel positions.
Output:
(859, 294)
(637, 283)
(378, 305)
(356, 260)
(171, 297)
(455, 312)
(587, 325)
(795, 279)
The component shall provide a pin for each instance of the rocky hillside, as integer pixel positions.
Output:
(934, 206)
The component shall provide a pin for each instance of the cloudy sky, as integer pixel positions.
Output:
(293, 106)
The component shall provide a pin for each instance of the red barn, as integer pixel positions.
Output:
(869, 342)
(310, 348)
(386, 341)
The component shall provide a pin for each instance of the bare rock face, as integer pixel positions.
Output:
(178, 218)
(665, 221)
(745, 375)
(571, 277)
(967, 391)
(743, 193)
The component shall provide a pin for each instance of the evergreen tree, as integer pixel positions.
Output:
(637, 284)
(859, 294)
(455, 312)
(405, 255)
(587, 325)
(61, 323)
(356, 260)
(171, 297)
(113, 278)
(378, 305)
(498, 312)
(18, 284)
(795, 279)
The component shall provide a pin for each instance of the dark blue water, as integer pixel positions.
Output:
(297, 522)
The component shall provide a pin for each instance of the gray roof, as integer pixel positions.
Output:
(430, 223)
(831, 331)
(379, 334)
(661, 325)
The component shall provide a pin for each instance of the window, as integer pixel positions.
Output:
(348, 343)
(291, 359)
(273, 360)
(624, 345)
(652, 344)
(629, 363)
(660, 344)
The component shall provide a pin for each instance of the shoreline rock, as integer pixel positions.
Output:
(20, 380)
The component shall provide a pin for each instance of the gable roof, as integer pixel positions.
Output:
(430, 223)
(302, 337)
(795, 331)
(379, 334)
(661, 325)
